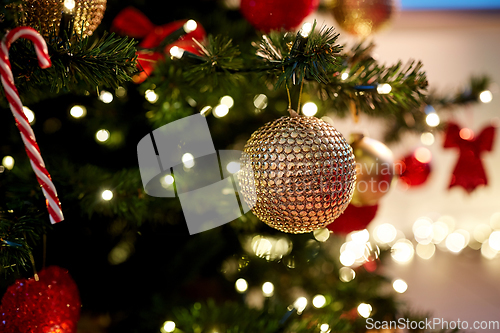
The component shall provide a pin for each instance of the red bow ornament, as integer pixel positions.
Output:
(133, 23)
(469, 171)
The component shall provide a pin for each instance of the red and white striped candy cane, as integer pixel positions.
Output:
(48, 188)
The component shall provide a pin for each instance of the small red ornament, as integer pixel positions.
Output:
(469, 171)
(51, 304)
(414, 169)
(267, 15)
(134, 23)
(354, 218)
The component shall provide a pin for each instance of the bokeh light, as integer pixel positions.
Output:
(400, 286)
(241, 285)
(106, 96)
(102, 135)
(78, 111)
(190, 26)
(268, 289)
(385, 233)
(486, 96)
(29, 114)
(188, 160)
(151, 96)
(364, 310)
(107, 195)
(309, 109)
(402, 251)
(427, 138)
(319, 301)
(425, 251)
(384, 88)
(432, 119)
(221, 110)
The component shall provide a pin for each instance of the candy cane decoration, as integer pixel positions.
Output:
(48, 188)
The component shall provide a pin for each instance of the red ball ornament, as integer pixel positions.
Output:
(267, 15)
(414, 169)
(354, 218)
(51, 304)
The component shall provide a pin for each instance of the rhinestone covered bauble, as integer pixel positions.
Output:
(46, 15)
(303, 171)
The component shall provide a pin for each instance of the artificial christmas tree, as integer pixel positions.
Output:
(135, 265)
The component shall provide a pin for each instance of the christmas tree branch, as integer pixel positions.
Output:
(82, 65)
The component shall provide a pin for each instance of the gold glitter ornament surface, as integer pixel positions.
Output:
(374, 170)
(303, 171)
(46, 15)
(363, 17)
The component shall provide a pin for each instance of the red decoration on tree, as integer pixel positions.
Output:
(469, 171)
(51, 304)
(354, 218)
(415, 168)
(267, 15)
(134, 23)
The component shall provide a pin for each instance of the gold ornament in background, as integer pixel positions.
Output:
(303, 171)
(46, 15)
(363, 17)
(374, 169)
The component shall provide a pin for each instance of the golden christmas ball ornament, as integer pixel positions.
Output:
(374, 169)
(302, 173)
(46, 15)
(363, 17)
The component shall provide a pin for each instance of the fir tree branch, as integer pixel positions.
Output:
(82, 65)
(20, 229)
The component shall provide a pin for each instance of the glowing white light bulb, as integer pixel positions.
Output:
(309, 109)
(78, 111)
(306, 29)
(432, 119)
(344, 76)
(347, 258)
(268, 289)
(190, 26)
(151, 96)
(188, 160)
(69, 4)
(29, 114)
(169, 180)
(384, 88)
(364, 310)
(106, 97)
(319, 301)
(169, 326)
(486, 96)
(400, 286)
(324, 328)
(221, 110)
(300, 304)
(241, 285)
(107, 195)
(8, 162)
(102, 135)
(176, 52)
(227, 101)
